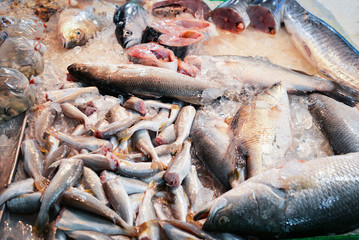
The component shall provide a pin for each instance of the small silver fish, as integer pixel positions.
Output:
(17, 189)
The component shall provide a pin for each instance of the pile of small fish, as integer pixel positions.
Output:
(110, 167)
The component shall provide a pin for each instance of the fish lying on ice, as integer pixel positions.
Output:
(322, 45)
(302, 198)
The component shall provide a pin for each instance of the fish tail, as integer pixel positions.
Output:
(157, 164)
(343, 94)
(42, 184)
(175, 147)
(175, 107)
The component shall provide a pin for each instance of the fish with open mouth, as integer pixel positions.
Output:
(130, 20)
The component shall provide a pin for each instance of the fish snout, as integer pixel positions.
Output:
(64, 42)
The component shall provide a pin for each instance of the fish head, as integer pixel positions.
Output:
(72, 36)
(129, 34)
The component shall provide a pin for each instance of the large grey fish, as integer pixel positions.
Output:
(322, 45)
(262, 129)
(302, 198)
(130, 20)
(145, 81)
(337, 121)
(68, 173)
(261, 72)
(25, 204)
(16, 189)
(77, 26)
(33, 163)
(231, 15)
(72, 220)
(266, 16)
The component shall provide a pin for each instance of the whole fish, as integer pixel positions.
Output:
(77, 26)
(73, 220)
(87, 202)
(322, 45)
(145, 81)
(262, 129)
(98, 162)
(17, 189)
(25, 204)
(16, 95)
(130, 20)
(93, 182)
(337, 121)
(33, 163)
(67, 175)
(231, 15)
(167, 135)
(73, 112)
(302, 198)
(138, 170)
(119, 199)
(266, 16)
(69, 94)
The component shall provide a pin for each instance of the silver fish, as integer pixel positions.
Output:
(92, 181)
(265, 15)
(119, 199)
(73, 220)
(302, 198)
(33, 163)
(145, 81)
(69, 94)
(98, 162)
(17, 189)
(167, 135)
(25, 204)
(135, 200)
(179, 167)
(322, 45)
(138, 170)
(337, 121)
(73, 112)
(231, 15)
(68, 173)
(262, 129)
(136, 104)
(174, 113)
(180, 203)
(43, 122)
(85, 201)
(77, 26)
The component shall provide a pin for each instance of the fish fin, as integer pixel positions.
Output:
(204, 213)
(55, 164)
(91, 127)
(343, 94)
(175, 147)
(158, 165)
(175, 107)
(301, 72)
(42, 185)
(52, 132)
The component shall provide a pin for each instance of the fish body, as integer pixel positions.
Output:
(143, 80)
(16, 95)
(16, 189)
(231, 15)
(92, 181)
(43, 122)
(25, 204)
(180, 203)
(88, 235)
(97, 162)
(322, 45)
(262, 129)
(130, 20)
(337, 121)
(77, 26)
(131, 185)
(266, 16)
(302, 198)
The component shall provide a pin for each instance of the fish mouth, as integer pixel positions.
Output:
(202, 214)
(64, 43)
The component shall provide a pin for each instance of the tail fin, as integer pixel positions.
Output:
(343, 94)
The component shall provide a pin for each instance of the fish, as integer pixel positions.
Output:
(251, 69)
(337, 121)
(262, 130)
(175, 8)
(77, 26)
(322, 45)
(71, 219)
(174, 233)
(67, 175)
(72, 112)
(179, 167)
(136, 104)
(33, 163)
(119, 199)
(43, 122)
(180, 203)
(135, 200)
(211, 146)
(88, 235)
(231, 15)
(69, 94)
(130, 20)
(157, 104)
(87, 202)
(167, 135)
(266, 16)
(25, 204)
(138, 170)
(16, 189)
(174, 113)
(131, 185)
(301, 198)
(93, 182)
(152, 54)
(152, 81)
(144, 144)
(98, 162)
(16, 95)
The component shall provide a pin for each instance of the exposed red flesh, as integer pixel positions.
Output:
(228, 19)
(262, 19)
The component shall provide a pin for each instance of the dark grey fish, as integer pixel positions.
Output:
(88, 235)
(25, 204)
(303, 198)
(322, 45)
(130, 20)
(17, 189)
(145, 81)
(73, 220)
(337, 121)
(265, 15)
(231, 15)
(67, 175)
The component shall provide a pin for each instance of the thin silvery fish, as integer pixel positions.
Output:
(16, 189)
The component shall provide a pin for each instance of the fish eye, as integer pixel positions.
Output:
(223, 220)
(78, 32)
(127, 33)
(8, 111)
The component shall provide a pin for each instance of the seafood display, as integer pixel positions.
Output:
(144, 123)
